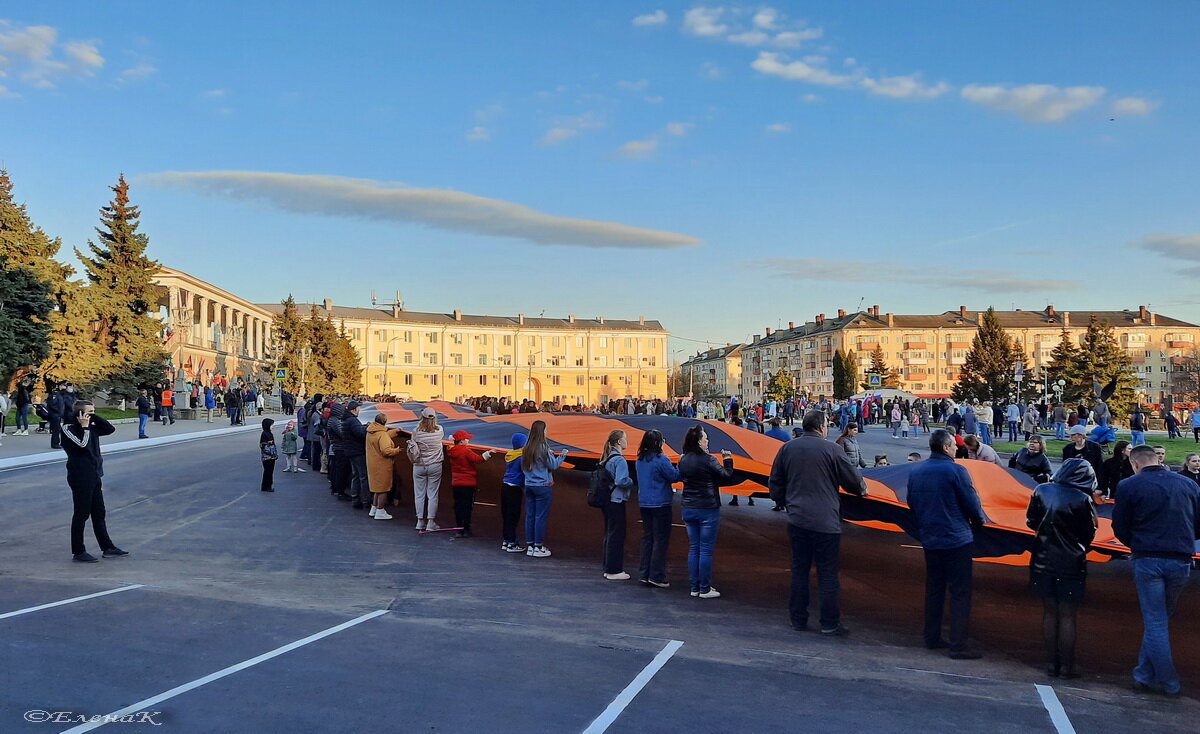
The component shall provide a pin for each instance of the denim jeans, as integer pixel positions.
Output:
(985, 433)
(1060, 430)
(823, 548)
(537, 512)
(1159, 581)
(143, 421)
(1139, 438)
(702, 528)
(1012, 431)
(23, 418)
(360, 487)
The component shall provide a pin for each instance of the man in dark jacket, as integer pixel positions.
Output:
(339, 467)
(1081, 447)
(1157, 515)
(55, 410)
(353, 446)
(947, 508)
(805, 478)
(85, 468)
(144, 409)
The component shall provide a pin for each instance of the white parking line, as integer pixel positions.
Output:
(610, 714)
(146, 703)
(1058, 715)
(72, 600)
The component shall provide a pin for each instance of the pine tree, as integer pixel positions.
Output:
(72, 353)
(1099, 360)
(121, 289)
(1062, 360)
(347, 373)
(291, 341)
(879, 366)
(987, 373)
(319, 372)
(24, 321)
(781, 385)
(850, 366)
(842, 386)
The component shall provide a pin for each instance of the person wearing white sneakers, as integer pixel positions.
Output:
(289, 446)
(613, 463)
(381, 461)
(701, 500)
(5, 406)
(538, 463)
(426, 452)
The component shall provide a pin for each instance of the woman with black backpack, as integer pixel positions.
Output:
(614, 482)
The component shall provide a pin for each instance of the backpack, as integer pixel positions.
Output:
(601, 487)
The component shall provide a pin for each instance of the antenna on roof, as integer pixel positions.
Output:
(860, 302)
(373, 298)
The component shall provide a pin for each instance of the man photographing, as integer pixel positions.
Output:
(85, 468)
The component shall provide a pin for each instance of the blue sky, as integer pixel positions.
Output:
(720, 167)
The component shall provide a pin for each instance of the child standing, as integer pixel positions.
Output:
(904, 426)
(464, 479)
(512, 491)
(290, 441)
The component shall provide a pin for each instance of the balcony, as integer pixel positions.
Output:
(915, 345)
(955, 360)
(866, 346)
(958, 345)
(915, 360)
(917, 376)
(1180, 345)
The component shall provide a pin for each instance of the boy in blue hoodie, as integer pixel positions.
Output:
(512, 490)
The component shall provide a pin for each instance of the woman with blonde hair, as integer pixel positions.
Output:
(538, 462)
(612, 461)
(381, 460)
(425, 451)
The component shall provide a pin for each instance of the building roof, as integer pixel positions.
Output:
(386, 315)
(717, 353)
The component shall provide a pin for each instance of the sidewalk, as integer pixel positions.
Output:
(34, 449)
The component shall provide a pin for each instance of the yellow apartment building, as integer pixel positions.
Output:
(421, 356)
(929, 350)
(715, 372)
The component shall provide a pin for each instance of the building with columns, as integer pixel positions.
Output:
(420, 356)
(215, 336)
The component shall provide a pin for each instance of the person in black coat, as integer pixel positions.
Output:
(353, 446)
(1116, 468)
(85, 470)
(269, 454)
(1063, 515)
(700, 499)
(55, 411)
(1032, 460)
(1191, 467)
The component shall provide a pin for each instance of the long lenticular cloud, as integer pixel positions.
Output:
(341, 196)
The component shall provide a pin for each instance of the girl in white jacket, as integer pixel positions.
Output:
(425, 451)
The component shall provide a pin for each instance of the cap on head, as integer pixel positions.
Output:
(460, 434)
(1077, 431)
(428, 413)
(353, 404)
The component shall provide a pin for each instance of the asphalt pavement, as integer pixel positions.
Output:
(284, 612)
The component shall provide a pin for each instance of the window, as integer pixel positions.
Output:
(554, 379)
(601, 360)
(556, 361)
(431, 357)
(556, 341)
(628, 342)
(604, 342)
(356, 334)
(483, 379)
(652, 361)
(456, 338)
(507, 380)
(408, 337)
(379, 334)
(653, 379)
(508, 340)
(533, 341)
(579, 361)
(483, 359)
(579, 342)
(603, 379)
(431, 337)
(408, 358)
(456, 358)
(433, 379)
(383, 356)
(506, 360)
(457, 379)
(408, 380)
(578, 379)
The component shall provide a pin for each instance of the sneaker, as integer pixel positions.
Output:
(838, 631)
(381, 514)
(115, 552)
(85, 558)
(538, 551)
(710, 594)
(431, 526)
(514, 548)
(622, 576)
(298, 469)
(374, 509)
(659, 584)
(695, 592)
(420, 524)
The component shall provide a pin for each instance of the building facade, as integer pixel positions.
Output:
(715, 372)
(422, 356)
(929, 350)
(215, 336)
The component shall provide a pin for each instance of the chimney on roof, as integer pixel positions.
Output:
(1143, 313)
(891, 319)
(768, 331)
(874, 310)
(820, 318)
(570, 318)
(520, 318)
(841, 312)
(1066, 318)
(458, 314)
(791, 324)
(1050, 310)
(600, 319)
(328, 304)
(642, 320)
(962, 311)
(757, 337)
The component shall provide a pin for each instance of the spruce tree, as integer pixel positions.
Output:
(842, 385)
(781, 385)
(347, 372)
(1099, 360)
(1062, 360)
(122, 291)
(24, 321)
(850, 367)
(987, 373)
(879, 366)
(291, 340)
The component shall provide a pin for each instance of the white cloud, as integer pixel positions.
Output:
(893, 272)
(777, 64)
(792, 39)
(637, 86)
(1134, 106)
(441, 208)
(479, 134)
(778, 127)
(658, 17)
(216, 93)
(766, 18)
(566, 128)
(489, 113)
(712, 71)
(139, 71)
(904, 87)
(35, 55)
(1034, 102)
(1175, 246)
(750, 38)
(704, 21)
(678, 128)
(639, 148)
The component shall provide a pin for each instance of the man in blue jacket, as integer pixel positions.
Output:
(947, 509)
(1157, 516)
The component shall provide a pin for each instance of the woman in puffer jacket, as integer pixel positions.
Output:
(1063, 515)
(426, 452)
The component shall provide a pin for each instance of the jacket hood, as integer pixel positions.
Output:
(518, 440)
(1076, 473)
(374, 427)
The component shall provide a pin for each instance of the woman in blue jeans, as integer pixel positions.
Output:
(701, 500)
(538, 462)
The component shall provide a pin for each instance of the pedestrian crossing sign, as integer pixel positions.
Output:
(281, 373)
(875, 380)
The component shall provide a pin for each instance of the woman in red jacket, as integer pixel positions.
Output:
(464, 479)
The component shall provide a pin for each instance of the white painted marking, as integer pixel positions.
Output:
(623, 699)
(153, 700)
(56, 456)
(72, 600)
(1058, 715)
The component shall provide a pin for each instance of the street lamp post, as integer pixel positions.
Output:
(387, 360)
